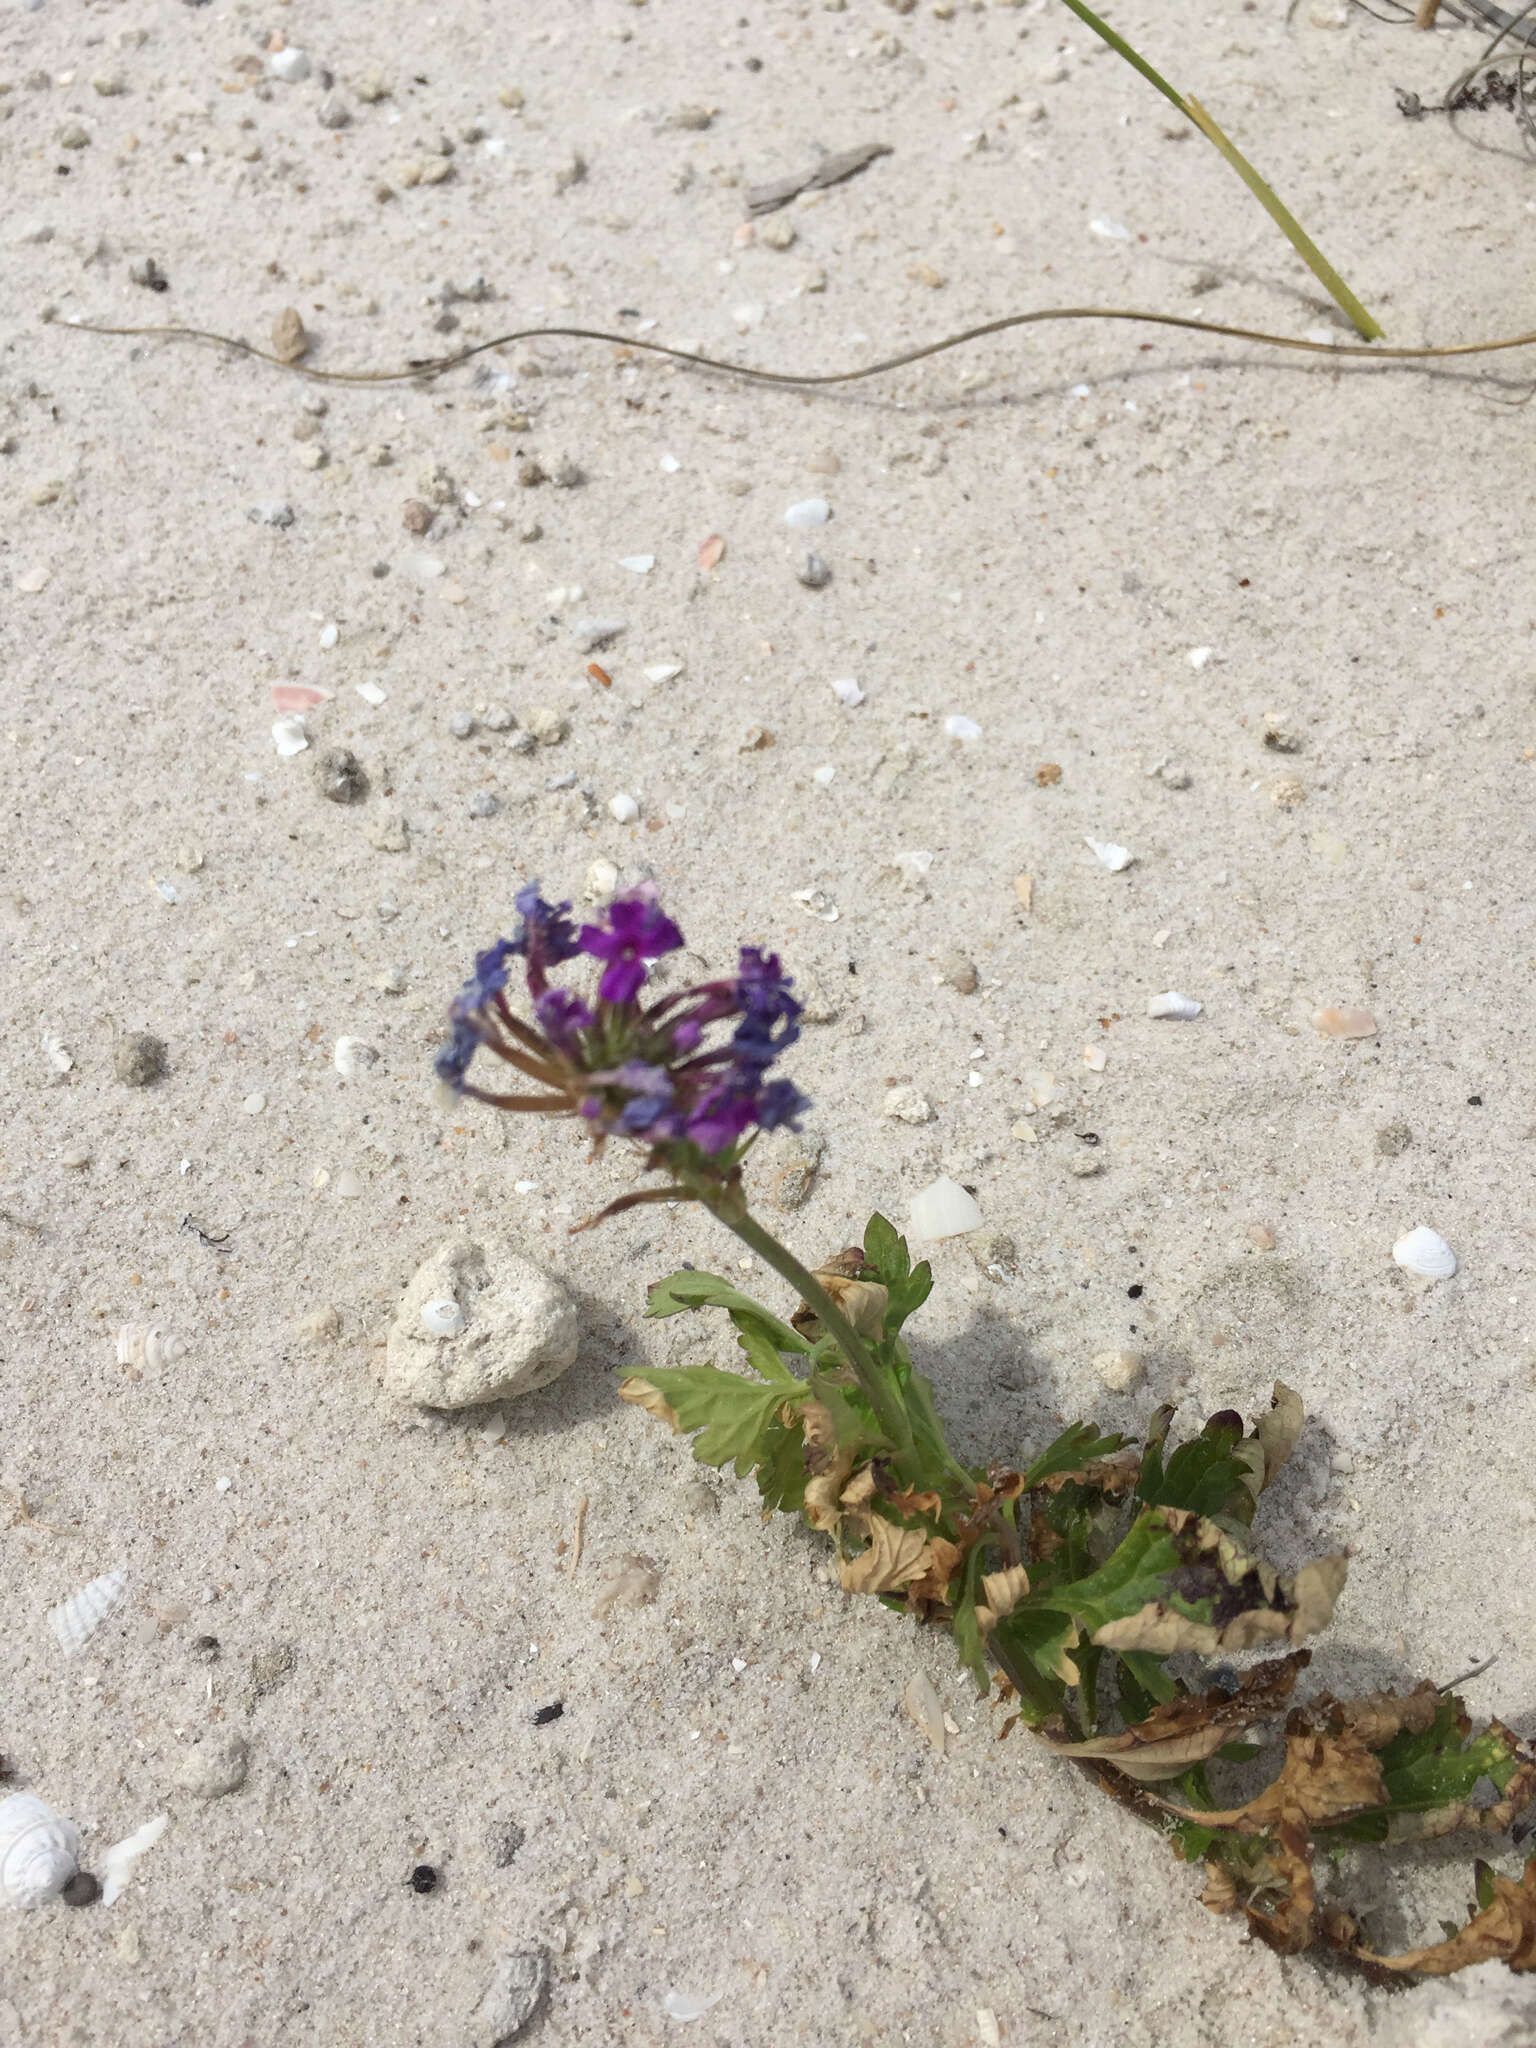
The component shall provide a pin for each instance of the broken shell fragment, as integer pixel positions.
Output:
(75, 1620)
(1425, 1252)
(147, 1344)
(1344, 1023)
(944, 1209)
(1171, 1004)
(1115, 858)
(39, 1851)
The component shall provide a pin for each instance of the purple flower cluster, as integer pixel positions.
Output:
(629, 1069)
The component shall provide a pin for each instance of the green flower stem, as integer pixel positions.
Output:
(1281, 215)
(892, 1417)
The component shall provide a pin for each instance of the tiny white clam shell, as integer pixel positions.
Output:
(1172, 1004)
(148, 1344)
(444, 1317)
(1425, 1252)
(1114, 857)
(75, 1620)
(39, 1851)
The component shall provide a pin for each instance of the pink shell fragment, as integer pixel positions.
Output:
(1344, 1023)
(711, 550)
(297, 696)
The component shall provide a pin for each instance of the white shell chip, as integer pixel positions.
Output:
(944, 1209)
(75, 1620)
(1171, 1004)
(39, 1851)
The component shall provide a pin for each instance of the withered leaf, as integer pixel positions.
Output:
(894, 1558)
(863, 1302)
(1108, 1475)
(1504, 1931)
(1001, 1592)
(641, 1394)
(1250, 1604)
(1277, 1432)
(943, 1556)
(1188, 1730)
(1287, 1926)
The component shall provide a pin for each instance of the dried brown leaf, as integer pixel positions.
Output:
(894, 1558)
(1278, 1431)
(863, 1302)
(1269, 1609)
(1287, 1927)
(1503, 1932)
(1220, 1894)
(640, 1393)
(1186, 1731)
(1001, 1592)
(1109, 1475)
(934, 1583)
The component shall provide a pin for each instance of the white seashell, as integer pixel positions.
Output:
(444, 1317)
(147, 1344)
(117, 1861)
(663, 671)
(75, 1620)
(638, 565)
(1425, 1252)
(689, 2005)
(959, 727)
(1172, 1004)
(944, 1209)
(289, 736)
(623, 807)
(353, 1056)
(847, 691)
(1114, 857)
(808, 512)
(39, 1851)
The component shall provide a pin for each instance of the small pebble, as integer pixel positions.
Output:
(547, 726)
(793, 1182)
(417, 516)
(215, 1766)
(82, 1889)
(139, 1059)
(1392, 1139)
(1084, 1165)
(1286, 793)
(76, 1157)
(1119, 1370)
(334, 112)
(253, 1105)
(349, 1184)
(814, 573)
(960, 973)
(423, 1879)
(907, 1105)
(319, 1326)
(461, 725)
(624, 808)
(73, 135)
(591, 634)
(291, 65)
(808, 512)
(271, 513)
(1344, 1023)
(484, 804)
(289, 341)
(339, 776)
(389, 833)
(779, 233)
(353, 1057)
(1261, 1236)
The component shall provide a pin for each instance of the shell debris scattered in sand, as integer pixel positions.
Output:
(75, 1620)
(944, 1209)
(1179, 1009)
(39, 1851)
(118, 1861)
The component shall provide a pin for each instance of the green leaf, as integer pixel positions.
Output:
(781, 1467)
(885, 1252)
(1147, 1674)
(762, 1352)
(969, 1641)
(689, 1289)
(1213, 1474)
(1074, 1447)
(730, 1414)
(1427, 1772)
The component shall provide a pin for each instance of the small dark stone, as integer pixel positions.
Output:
(139, 1059)
(506, 1839)
(423, 1879)
(815, 574)
(339, 776)
(417, 516)
(1474, 1102)
(1135, 1290)
(82, 1889)
(205, 1647)
(542, 1716)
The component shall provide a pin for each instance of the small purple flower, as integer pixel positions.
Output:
(764, 987)
(489, 977)
(781, 1103)
(453, 1059)
(721, 1117)
(562, 1017)
(547, 938)
(651, 1105)
(639, 931)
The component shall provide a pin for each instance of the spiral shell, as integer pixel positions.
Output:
(39, 1851)
(147, 1344)
(75, 1620)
